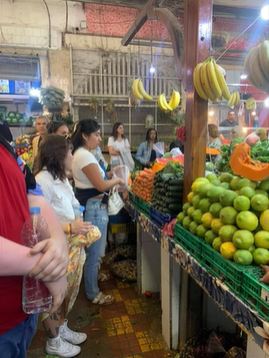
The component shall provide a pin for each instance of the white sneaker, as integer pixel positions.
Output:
(59, 347)
(70, 336)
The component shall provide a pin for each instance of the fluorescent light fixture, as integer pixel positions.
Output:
(243, 76)
(152, 69)
(253, 113)
(35, 92)
(265, 12)
(266, 102)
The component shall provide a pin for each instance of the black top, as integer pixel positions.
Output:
(177, 144)
(152, 155)
(5, 131)
(226, 123)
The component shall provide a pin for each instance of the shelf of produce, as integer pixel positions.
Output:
(246, 317)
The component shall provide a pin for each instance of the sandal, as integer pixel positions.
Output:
(103, 277)
(103, 299)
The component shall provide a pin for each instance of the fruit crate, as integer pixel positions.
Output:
(159, 218)
(255, 293)
(227, 271)
(121, 228)
(143, 207)
(190, 242)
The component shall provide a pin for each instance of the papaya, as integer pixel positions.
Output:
(242, 164)
(211, 151)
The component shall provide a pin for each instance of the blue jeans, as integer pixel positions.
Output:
(15, 342)
(97, 214)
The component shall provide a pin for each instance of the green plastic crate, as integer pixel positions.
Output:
(226, 270)
(255, 293)
(143, 207)
(190, 242)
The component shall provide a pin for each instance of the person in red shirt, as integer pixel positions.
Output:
(47, 260)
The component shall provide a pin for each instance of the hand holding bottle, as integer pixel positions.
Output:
(80, 227)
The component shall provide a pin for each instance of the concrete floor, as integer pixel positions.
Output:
(130, 327)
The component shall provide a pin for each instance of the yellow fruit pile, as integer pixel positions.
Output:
(232, 215)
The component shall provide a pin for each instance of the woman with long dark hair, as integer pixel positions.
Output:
(116, 142)
(91, 185)
(146, 153)
(52, 161)
(58, 127)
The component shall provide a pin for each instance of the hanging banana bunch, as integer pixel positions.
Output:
(234, 99)
(209, 81)
(171, 105)
(256, 66)
(139, 91)
(251, 104)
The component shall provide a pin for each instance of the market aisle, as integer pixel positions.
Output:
(131, 327)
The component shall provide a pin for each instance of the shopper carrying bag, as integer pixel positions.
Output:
(127, 158)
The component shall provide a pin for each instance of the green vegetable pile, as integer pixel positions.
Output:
(168, 189)
(261, 151)
(51, 97)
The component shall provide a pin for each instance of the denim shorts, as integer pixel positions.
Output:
(15, 342)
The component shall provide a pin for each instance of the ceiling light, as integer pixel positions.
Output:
(253, 113)
(266, 102)
(265, 12)
(245, 130)
(243, 76)
(211, 113)
(152, 69)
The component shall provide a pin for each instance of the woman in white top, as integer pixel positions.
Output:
(90, 182)
(54, 158)
(116, 142)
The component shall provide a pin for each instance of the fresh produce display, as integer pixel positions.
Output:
(242, 164)
(168, 189)
(51, 97)
(139, 90)
(172, 104)
(256, 66)
(142, 184)
(230, 213)
(22, 147)
(18, 118)
(259, 151)
(209, 81)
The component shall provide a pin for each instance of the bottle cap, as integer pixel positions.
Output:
(81, 208)
(35, 210)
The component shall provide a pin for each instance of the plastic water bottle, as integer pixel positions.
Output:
(81, 210)
(36, 297)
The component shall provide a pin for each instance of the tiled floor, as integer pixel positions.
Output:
(130, 328)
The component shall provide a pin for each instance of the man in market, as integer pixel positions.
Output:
(230, 121)
(47, 260)
(41, 127)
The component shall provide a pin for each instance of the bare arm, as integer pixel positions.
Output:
(93, 174)
(113, 151)
(16, 259)
(53, 263)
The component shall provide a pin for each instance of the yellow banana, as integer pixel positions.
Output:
(160, 102)
(205, 83)
(222, 83)
(174, 100)
(165, 104)
(232, 100)
(135, 89)
(212, 78)
(142, 91)
(264, 57)
(257, 73)
(197, 82)
(237, 98)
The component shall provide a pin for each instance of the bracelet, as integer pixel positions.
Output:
(68, 230)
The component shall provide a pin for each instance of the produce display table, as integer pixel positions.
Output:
(244, 316)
